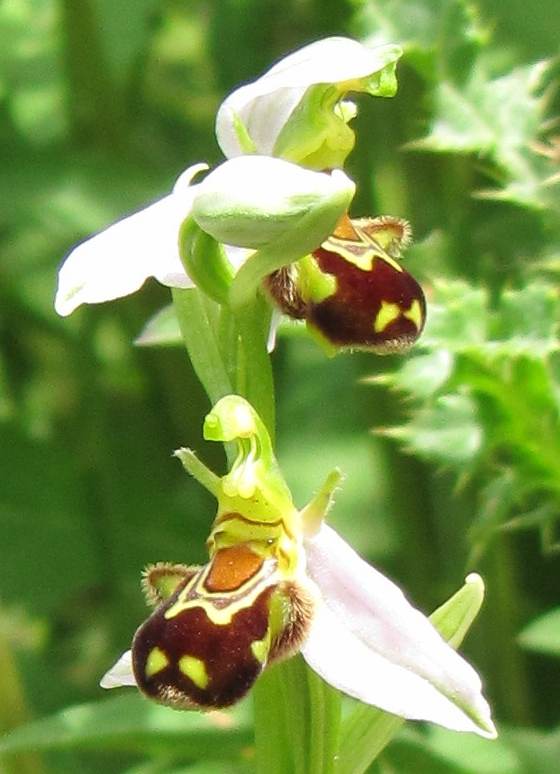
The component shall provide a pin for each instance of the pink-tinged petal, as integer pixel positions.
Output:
(369, 642)
(264, 106)
(117, 261)
(120, 674)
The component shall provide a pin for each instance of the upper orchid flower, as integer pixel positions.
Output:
(280, 581)
(294, 112)
(248, 201)
(297, 110)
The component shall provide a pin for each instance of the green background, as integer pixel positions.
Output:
(451, 454)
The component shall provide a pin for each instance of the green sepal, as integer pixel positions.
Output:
(243, 136)
(160, 580)
(314, 513)
(205, 261)
(314, 226)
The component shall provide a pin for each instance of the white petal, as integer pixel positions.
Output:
(265, 105)
(120, 674)
(368, 641)
(119, 259)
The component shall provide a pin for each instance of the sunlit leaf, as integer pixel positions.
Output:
(543, 634)
(498, 119)
(162, 330)
(446, 432)
(131, 723)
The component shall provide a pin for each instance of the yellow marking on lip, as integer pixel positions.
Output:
(361, 254)
(195, 669)
(316, 285)
(156, 661)
(260, 648)
(414, 314)
(240, 598)
(387, 314)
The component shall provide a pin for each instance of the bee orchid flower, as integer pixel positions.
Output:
(247, 202)
(296, 113)
(280, 581)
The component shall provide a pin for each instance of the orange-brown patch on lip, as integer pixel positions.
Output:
(345, 229)
(232, 567)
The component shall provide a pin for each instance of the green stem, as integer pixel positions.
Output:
(198, 329)
(272, 739)
(255, 369)
(96, 108)
(509, 671)
(324, 704)
(297, 716)
(13, 711)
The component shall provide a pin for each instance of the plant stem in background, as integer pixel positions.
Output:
(95, 108)
(13, 711)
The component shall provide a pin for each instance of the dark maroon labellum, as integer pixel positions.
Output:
(352, 291)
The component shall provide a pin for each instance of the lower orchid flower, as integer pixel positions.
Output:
(280, 581)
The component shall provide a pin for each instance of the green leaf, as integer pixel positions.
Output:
(439, 35)
(297, 719)
(527, 320)
(438, 752)
(162, 330)
(422, 376)
(501, 120)
(447, 432)
(197, 317)
(538, 751)
(131, 723)
(457, 317)
(543, 634)
(205, 261)
(498, 364)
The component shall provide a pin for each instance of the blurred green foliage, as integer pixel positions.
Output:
(102, 104)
